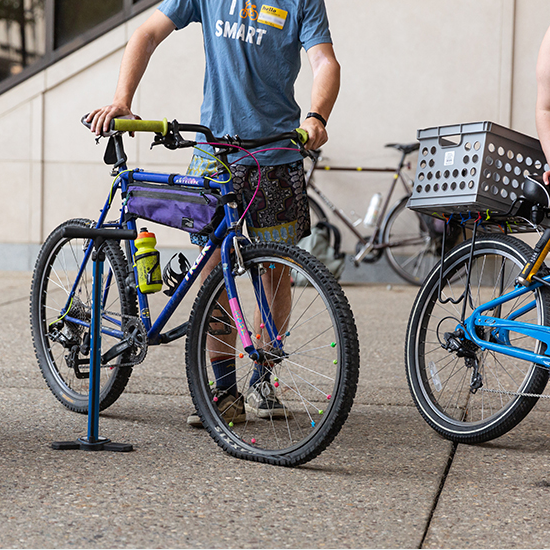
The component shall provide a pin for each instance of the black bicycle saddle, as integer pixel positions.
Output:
(535, 191)
(405, 147)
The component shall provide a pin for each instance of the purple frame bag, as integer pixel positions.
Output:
(190, 210)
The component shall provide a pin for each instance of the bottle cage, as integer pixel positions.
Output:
(173, 278)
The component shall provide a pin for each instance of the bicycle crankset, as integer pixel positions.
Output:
(372, 256)
(134, 344)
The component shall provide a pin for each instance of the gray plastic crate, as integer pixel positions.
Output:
(473, 167)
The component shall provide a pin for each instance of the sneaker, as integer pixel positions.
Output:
(231, 409)
(261, 399)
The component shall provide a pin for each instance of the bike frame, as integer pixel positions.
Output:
(371, 243)
(229, 241)
(502, 327)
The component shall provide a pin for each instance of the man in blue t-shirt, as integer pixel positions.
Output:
(252, 56)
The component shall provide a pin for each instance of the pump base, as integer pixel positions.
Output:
(102, 444)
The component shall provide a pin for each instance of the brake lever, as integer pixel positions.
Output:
(159, 140)
(172, 140)
(303, 138)
(306, 153)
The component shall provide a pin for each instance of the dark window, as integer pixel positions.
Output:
(37, 33)
(22, 35)
(74, 17)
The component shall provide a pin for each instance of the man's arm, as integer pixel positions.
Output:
(543, 98)
(136, 57)
(326, 85)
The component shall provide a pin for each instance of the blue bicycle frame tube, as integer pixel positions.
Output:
(153, 334)
(154, 329)
(538, 332)
(86, 258)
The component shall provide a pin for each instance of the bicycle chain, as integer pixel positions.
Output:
(517, 394)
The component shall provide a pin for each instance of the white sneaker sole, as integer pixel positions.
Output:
(265, 413)
(195, 420)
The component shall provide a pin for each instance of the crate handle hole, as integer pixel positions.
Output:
(450, 141)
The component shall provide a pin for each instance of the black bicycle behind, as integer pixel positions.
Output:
(410, 241)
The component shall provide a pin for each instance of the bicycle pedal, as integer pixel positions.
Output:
(173, 278)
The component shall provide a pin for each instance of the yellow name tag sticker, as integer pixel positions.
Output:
(273, 17)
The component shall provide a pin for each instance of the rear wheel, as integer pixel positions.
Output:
(62, 346)
(411, 249)
(443, 384)
(304, 390)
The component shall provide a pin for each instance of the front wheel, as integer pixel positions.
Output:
(288, 407)
(461, 404)
(62, 345)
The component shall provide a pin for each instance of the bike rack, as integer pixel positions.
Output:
(93, 442)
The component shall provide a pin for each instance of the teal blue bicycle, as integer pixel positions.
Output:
(299, 341)
(478, 341)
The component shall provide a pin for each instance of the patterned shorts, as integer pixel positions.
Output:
(280, 211)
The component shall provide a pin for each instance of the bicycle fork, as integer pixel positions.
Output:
(244, 333)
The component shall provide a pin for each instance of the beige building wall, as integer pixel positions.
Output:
(405, 65)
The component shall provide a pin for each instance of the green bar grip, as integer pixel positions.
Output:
(129, 125)
(303, 135)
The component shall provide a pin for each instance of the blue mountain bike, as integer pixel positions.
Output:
(305, 351)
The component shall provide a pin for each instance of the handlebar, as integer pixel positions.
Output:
(167, 133)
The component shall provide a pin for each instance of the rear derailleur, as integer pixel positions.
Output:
(70, 336)
(455, 342)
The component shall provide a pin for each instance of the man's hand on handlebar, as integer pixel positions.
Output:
(546, 177)
(317, 133)
(100, 119)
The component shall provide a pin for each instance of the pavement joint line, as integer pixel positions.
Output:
(438, 494)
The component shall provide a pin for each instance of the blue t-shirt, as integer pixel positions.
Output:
(252, 62)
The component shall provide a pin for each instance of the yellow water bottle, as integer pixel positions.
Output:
(147, 262)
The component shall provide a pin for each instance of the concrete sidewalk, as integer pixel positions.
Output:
(388, 480)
